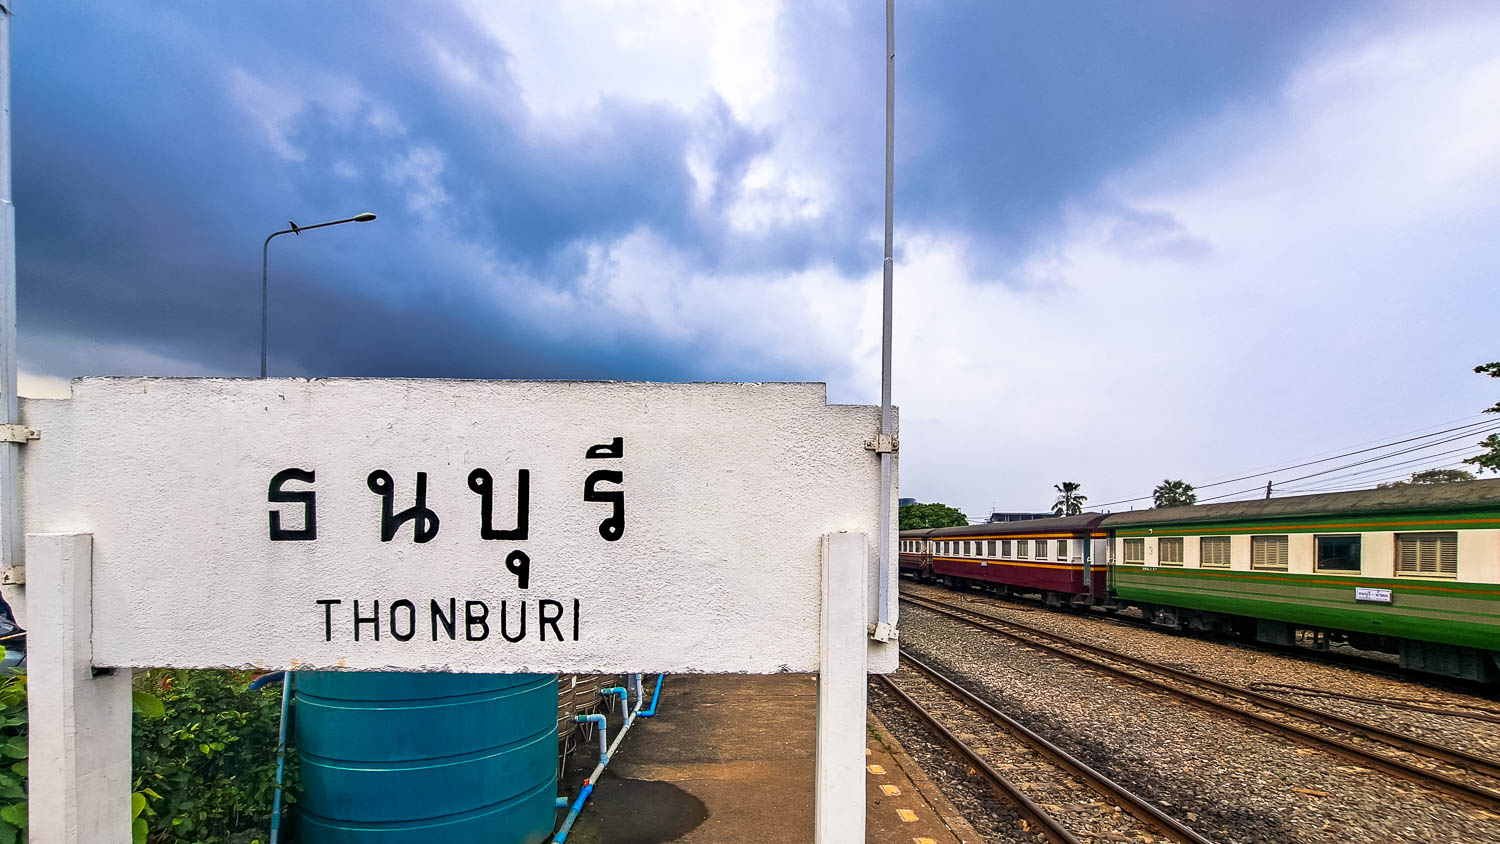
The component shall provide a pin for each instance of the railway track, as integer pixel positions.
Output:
(1475, 779)
(1363, 664)
(1047, 786)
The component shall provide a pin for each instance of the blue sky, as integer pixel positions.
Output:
(1135, 240)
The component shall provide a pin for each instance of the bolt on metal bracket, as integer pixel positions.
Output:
(18, 434)
(883, 444)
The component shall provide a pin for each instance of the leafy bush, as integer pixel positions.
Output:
(13, 751)
(204, 757)
(208, 763)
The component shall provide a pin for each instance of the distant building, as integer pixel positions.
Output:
(1017, 517)
(903, 502)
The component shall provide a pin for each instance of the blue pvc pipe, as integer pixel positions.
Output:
(655, 698)
(588, 786)
(265, 680)
(562, 831)
(624, 698)
(286, 699)
(603, 733)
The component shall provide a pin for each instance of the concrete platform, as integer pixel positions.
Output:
(729, 758)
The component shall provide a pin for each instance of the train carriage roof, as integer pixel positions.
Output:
(1407, 498)
(1063, 524)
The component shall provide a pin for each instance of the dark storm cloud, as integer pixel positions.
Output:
(144, 189)
(144, 196)
(1007, 112)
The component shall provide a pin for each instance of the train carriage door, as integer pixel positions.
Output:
(1088, 568)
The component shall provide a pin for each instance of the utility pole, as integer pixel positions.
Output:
(1268, 490)
(10, 445)
(886, 445)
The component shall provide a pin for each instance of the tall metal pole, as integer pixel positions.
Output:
(265, 250)
(10, 460)
(886, 422)
(265, 254)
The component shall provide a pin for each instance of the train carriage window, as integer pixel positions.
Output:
(1005, 547)
(1338, 553)
(1062, 549)
(1432, 554)
(1268, 553)
(1023, 547)
(991, 548)
(966, 548)
(1134, 551)
(1169, 551)
(1213, 552)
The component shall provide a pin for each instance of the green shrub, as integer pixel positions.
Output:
(204, 757)
(12, 756)
(208, 763)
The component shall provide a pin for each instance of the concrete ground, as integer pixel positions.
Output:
(729, 758)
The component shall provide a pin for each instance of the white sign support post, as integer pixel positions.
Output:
(79, 787)
(840, 808)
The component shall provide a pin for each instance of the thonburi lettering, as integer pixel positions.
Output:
(403, 620)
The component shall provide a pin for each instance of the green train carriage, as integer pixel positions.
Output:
(1413, 570)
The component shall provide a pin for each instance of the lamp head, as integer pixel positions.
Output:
(364, 218)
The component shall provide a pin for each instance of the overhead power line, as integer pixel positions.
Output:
(1370, 483)
(1423, 459)
(1478, 419)
(1467, 430)
(1366, 461)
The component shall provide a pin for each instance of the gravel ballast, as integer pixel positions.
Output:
(1229, 781)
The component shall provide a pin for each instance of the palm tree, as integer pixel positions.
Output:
(1069, 499)
(1174, 494)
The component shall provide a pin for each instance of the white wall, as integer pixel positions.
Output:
(729, 490)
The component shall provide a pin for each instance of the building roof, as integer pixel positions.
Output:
(1064, 524)
(1408, 498)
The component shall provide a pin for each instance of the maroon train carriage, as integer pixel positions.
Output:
(915, 554)
(1062, 559)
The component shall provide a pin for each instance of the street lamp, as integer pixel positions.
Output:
(265, 252)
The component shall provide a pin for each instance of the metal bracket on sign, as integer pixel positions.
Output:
(883, 632)
(18, 433)
(13, 576)
(883, 444)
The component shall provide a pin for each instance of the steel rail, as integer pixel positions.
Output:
(1132, 803)
(1363, 664)
(1478, 795)
(1409, 744)
(1047, 825)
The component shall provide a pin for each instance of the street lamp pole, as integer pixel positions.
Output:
(265, 250)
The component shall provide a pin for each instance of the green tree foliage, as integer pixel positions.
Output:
(1069, 500)
(208, 763)
(1489, 460)
(1432, 476)
(919, 516)
(1174, 494)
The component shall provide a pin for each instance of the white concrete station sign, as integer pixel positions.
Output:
(504, 526)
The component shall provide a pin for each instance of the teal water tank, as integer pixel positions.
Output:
(391, 758)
